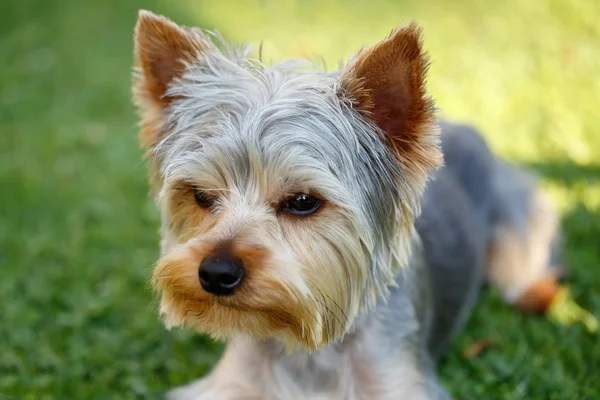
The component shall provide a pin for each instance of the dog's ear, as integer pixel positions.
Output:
(386, 82)
(162, 51)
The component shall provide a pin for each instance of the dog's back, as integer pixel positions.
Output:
(481, 218)
(455, 227)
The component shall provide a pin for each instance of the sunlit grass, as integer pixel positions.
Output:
(523, 71)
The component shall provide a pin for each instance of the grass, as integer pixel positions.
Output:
(78, 233)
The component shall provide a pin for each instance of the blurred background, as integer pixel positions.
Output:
(78, 232)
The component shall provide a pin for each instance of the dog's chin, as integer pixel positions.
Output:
(223, 318)
(299, 306)
(266, 305)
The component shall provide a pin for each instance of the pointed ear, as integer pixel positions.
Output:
(162, 51)
(386, 82)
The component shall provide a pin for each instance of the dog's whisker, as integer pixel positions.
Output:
(327, 308)
(336, 304)
(332, 313)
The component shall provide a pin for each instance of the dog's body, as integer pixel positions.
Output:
(289, 201)
(391, 353)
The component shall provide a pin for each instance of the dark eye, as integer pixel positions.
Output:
(203, 199)
(302, 204)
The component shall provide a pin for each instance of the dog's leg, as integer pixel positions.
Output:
(234, 376)
(520, 263)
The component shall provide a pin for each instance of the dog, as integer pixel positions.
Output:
(308, 220)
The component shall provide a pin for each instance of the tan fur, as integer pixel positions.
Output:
(517, 263)
(186, 216)
(387, 82)
(539, 296)
(162, 50)
(264, 305)
(280, 295)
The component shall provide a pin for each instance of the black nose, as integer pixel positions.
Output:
(220, 276)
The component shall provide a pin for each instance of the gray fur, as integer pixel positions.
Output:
(239, 127)
(291, 117)
(432, 298)
(473, 194)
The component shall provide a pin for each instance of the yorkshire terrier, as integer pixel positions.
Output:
(300, 223)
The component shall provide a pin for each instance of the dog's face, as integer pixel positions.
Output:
(287, 194)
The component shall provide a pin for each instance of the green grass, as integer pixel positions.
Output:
(78, 233)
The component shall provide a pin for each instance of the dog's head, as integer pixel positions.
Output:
(287, 194)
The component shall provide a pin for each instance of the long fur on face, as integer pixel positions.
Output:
(252, 136)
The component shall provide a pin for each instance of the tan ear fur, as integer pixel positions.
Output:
(162, 51)
(387, 83)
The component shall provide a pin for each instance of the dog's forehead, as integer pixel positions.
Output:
(259, 106)
(234, 126)
(284, 120)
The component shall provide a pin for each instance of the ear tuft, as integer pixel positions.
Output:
(387, 83)
(162, 51)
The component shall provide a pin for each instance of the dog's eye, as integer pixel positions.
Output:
(203, 199)
(302, 204)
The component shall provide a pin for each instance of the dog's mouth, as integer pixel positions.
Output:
(231, 303)
(262, 306)
(224, 316)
